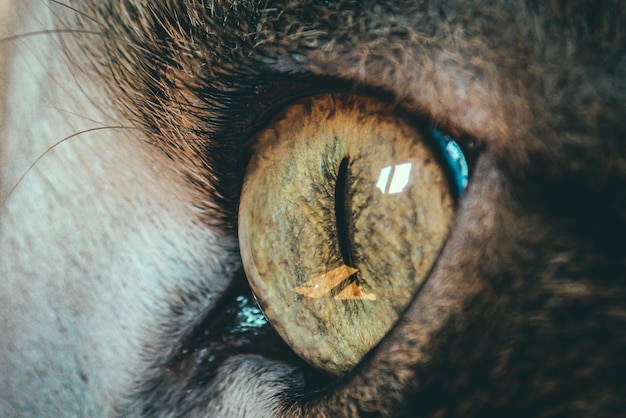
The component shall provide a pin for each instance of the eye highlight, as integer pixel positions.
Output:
(344, 209)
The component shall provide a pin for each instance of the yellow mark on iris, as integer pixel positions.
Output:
(324, 284)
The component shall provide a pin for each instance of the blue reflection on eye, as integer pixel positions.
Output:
(454, 159)
(249, 315)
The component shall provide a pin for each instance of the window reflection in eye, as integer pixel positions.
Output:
(394, 178)
(344, 210)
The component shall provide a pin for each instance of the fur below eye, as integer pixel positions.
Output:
(344, 209)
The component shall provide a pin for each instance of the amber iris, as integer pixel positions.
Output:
(344, 209)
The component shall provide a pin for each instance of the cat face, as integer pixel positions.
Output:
(162, 161)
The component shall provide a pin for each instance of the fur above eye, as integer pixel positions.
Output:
(344, 210)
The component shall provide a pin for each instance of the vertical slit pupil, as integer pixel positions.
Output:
(341, 212)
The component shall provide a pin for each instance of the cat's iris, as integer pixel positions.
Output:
(344, 210)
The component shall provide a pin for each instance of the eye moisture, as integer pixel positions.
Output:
(453, 159)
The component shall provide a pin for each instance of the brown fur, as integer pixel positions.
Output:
(524, 314)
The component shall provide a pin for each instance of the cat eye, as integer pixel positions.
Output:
(344, 209)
